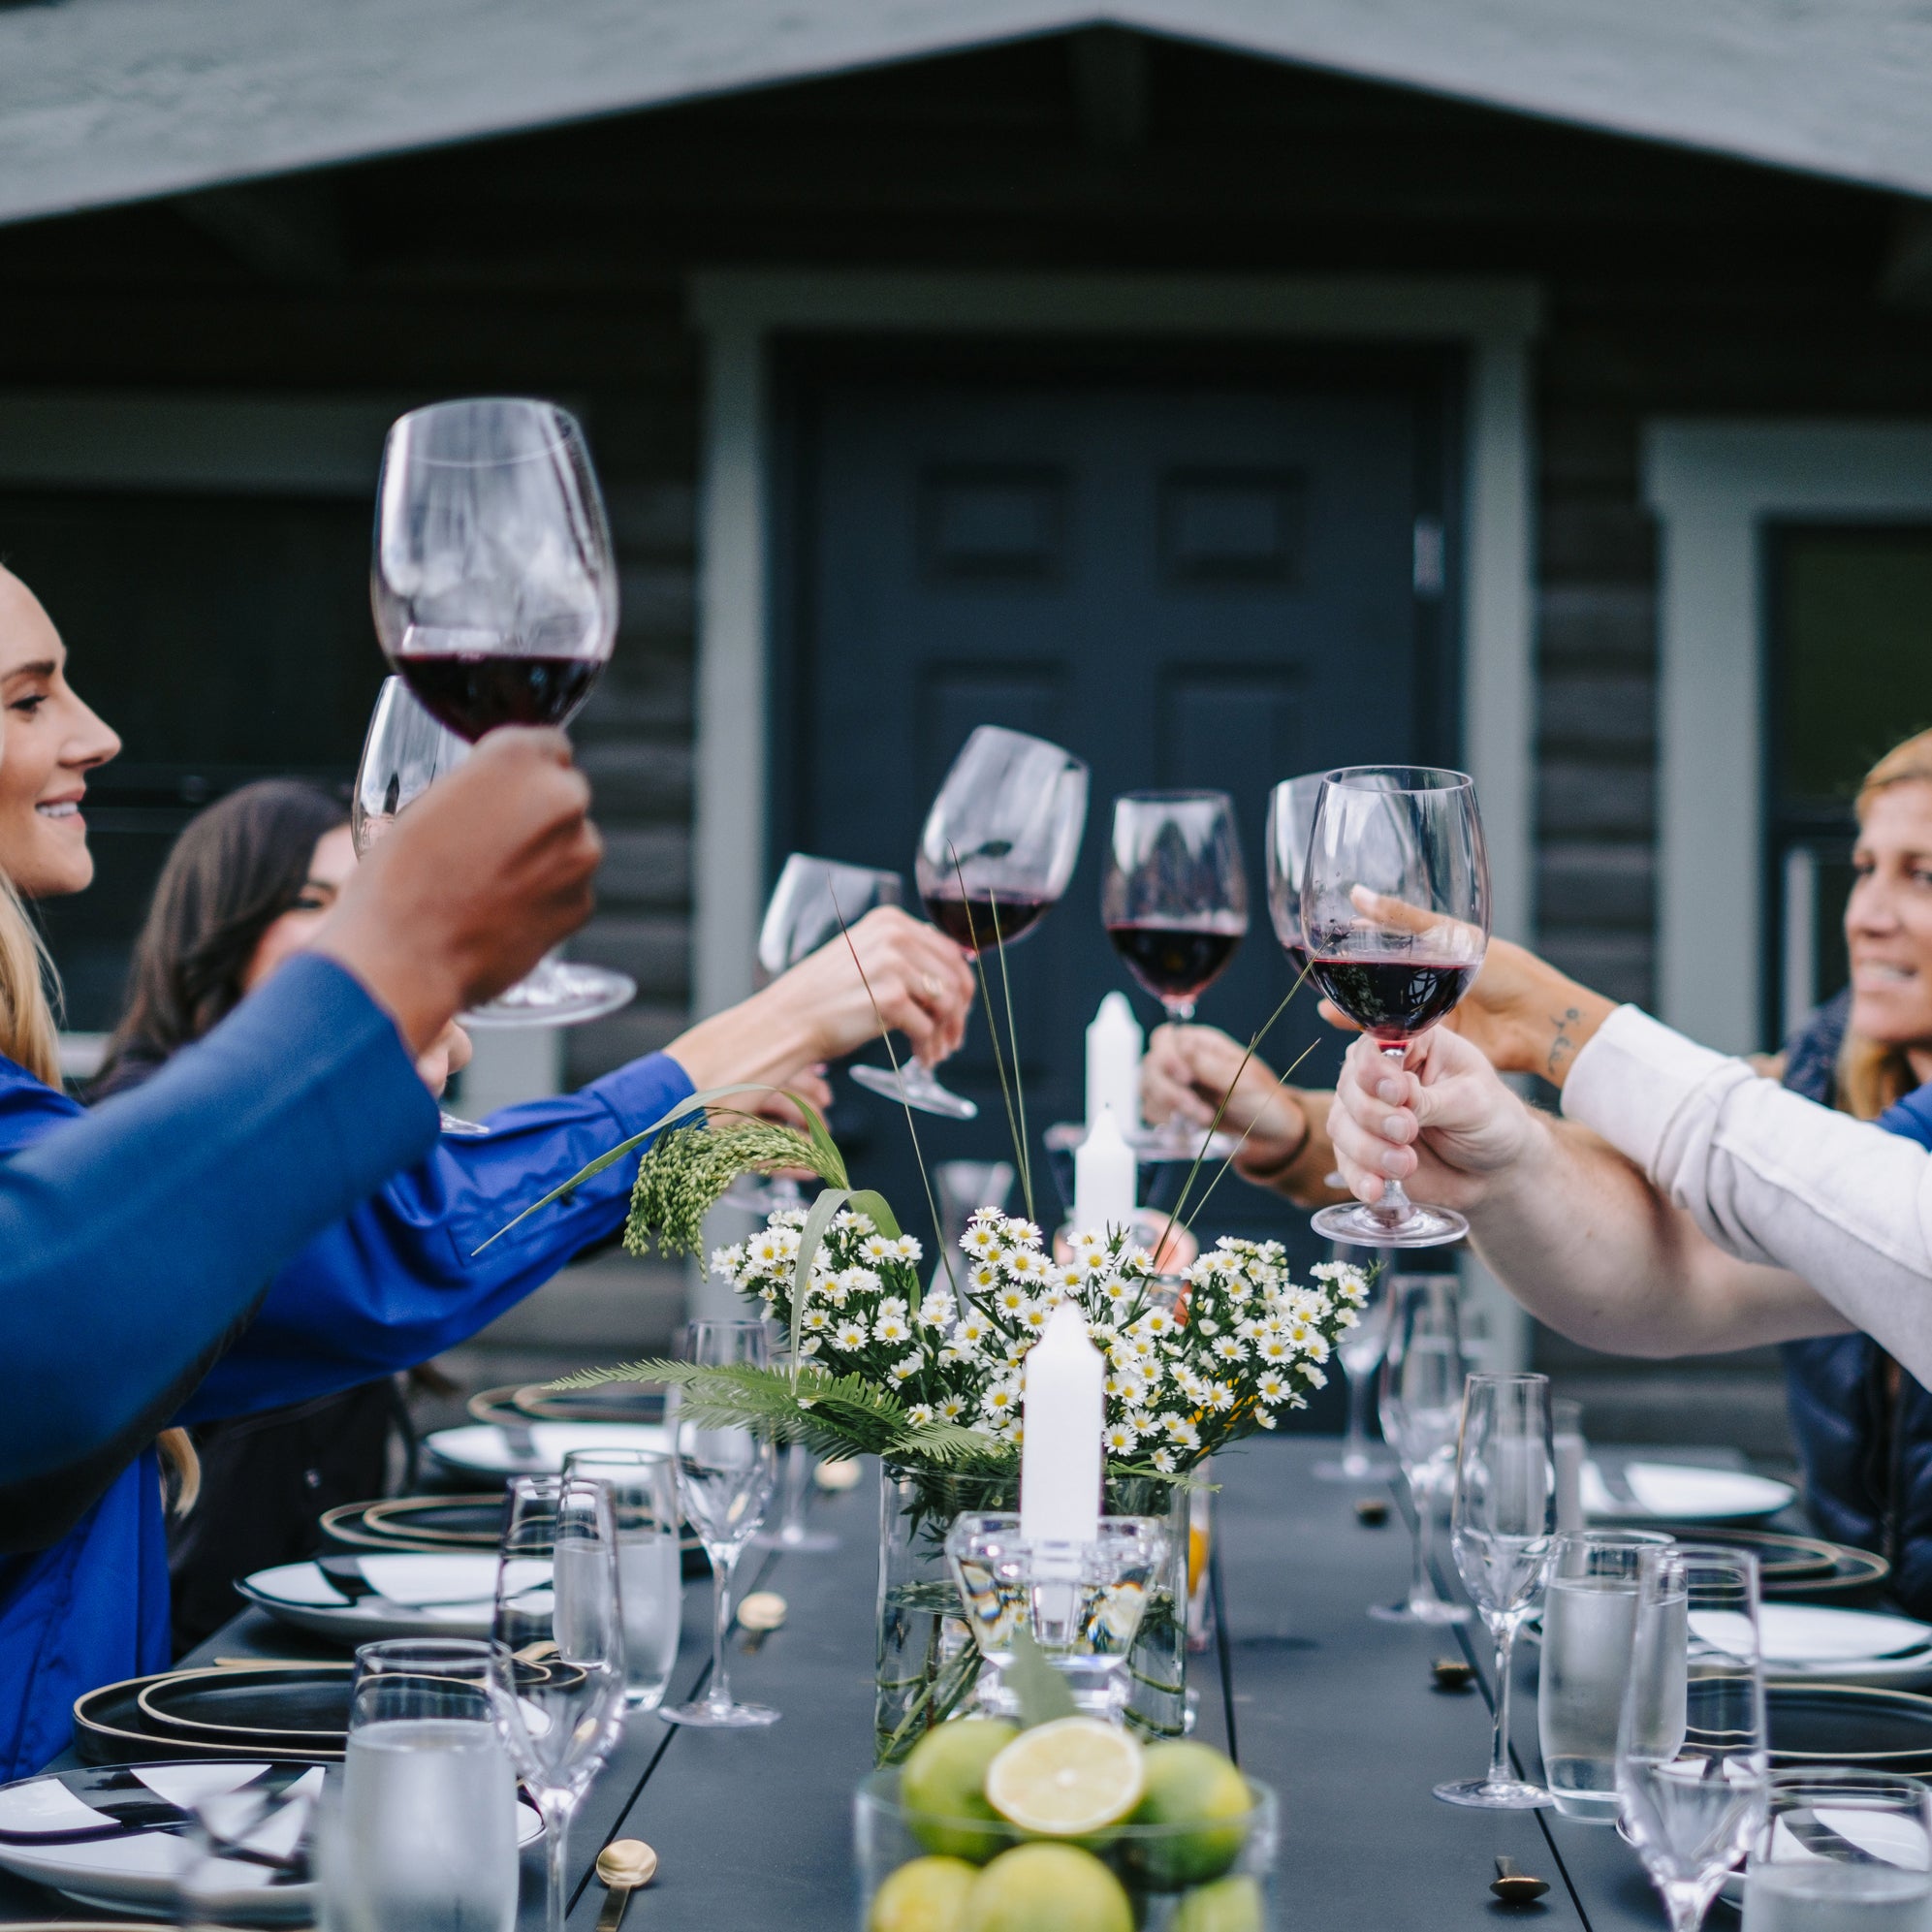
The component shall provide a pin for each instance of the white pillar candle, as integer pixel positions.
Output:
(1104, 1177)
(1113, 1060)
(1060, 1414)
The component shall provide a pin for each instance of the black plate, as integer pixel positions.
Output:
(110, 1727)
(1795, 1567)
(1846, 1724)
(534, 1402)
(422, 1524)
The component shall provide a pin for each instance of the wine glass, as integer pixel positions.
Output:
(1291, 808)
(1360, 1350)
(560, 1697)
(1174, 901)
(406, 750)
(650, 1578)
(997, 849)
(1395, 914)
(1421, 1407)
(1692, 1760)
(724, 1480)
(494, 590)
(1500, 1530)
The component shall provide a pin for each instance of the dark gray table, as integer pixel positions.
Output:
(1336, 1712)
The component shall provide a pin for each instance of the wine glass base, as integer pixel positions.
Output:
(924, 1097)
(559, 993)
(1347, 1470)
(704, 1716)
(455, 1123)
(1480, 1794)
(806, 1543)
(1363, 1226)
(1425, 1612)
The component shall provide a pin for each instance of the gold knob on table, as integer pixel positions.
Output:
(623, 1864)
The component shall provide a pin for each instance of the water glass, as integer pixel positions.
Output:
(246, 1846)
(1501, 1524)
(429, 1802)
(1590, 1608)
(643, 1485)
(1842, 1852)
(1421, 1402)
(1693, 1764)
(1360, 1350)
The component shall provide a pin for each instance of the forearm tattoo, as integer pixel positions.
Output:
(1562, 1047)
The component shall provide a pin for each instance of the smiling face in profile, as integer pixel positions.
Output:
(1888, 922)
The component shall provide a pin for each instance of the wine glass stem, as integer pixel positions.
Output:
(556, 1812)
(797, 1475)
(1422, 1586)
(1685, 1903)
(724, 1562)
(1355, 1444)
(1504, 1634)
(1180, 1011)
(1395, 1206)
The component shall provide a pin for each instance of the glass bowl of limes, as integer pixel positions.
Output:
(1073, 1826)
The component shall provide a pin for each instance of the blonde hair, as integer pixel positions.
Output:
(1872, 1075)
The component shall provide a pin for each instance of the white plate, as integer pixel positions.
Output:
(1808, 1634)
(1684, 1493)
(484, 1448)
(435, 1593)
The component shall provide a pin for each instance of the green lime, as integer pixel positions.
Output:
(1047, 1889)
(942, 1787)
(1228, 1905)
(926, 1895)
(1205, 1802)
(1066, 1778)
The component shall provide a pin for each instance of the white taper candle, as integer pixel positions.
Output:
(1104, 1177)
(1061, 1412)
(1113, 1042)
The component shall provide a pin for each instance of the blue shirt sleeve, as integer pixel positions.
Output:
(133, 1238)
(1910, 1117)
(401, 1278)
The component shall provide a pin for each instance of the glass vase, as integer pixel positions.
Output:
(1158, 1662)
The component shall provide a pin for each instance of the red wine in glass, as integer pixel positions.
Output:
(1394, 998)
(471, 692)
(1175, 964)
(980, 922)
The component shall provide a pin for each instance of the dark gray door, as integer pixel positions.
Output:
(1196, 581)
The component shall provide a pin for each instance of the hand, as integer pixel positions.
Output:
(1445, 1120)
(770, 1104)
(480, 879)
(1188, 1070)
(447, 1053)
(915, 980)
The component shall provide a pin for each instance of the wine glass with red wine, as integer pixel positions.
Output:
(1290, 819)
(1395, 914)
(495, 595)
(997, 849)
(1174, 901)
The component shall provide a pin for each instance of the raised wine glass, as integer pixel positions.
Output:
(996, 850)
(1421, 1407)
(1174, 901)
(1693, 1754)
(404, 753)
(1500, 1530)
(494, 589)
(1292, 807)
(1395, 914)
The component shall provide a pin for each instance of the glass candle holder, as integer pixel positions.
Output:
(1082, 1603)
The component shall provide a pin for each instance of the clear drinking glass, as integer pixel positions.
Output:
(724, 1482)
(1842, 1850)
(651, 1580)
(406, 750)
(1360, 1350)
(1291, 809)
(1421, 1409)
(1499, 1529)
(494, 589)
(1590, 1608)
(1395, 914)
(246, 1846)
(560, 1699)
(1693, 1766)
(1567, 1441)
(996, 850)
(428, 1807)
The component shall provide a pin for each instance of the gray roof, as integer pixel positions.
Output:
(103, 101)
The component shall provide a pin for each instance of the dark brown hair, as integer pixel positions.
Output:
(232, 874)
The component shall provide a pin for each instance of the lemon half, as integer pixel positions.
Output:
(1067, 1778)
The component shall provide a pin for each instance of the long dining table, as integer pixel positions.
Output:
(1338, 1712)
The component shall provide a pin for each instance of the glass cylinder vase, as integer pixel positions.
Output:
(1158, 1662)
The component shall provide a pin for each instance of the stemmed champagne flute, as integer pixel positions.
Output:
(724, 1480)
(560, 1696)
(1360, 1350)
(1693, 1757)
(1395, 914)
(1291, 808)
(1499, 1529)
(494, 589)
(405, 752)
(1174, 901)
(1421, 1407)
(996, 850)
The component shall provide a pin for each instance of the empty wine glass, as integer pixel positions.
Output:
(1291, 808)
(1360, 1350)
(996, 850)
(1395, 915)
(405, 752)
(724, 1480)
(1693, 1761)
(1500, 1530)
(560, 1699)
(650, 1576)
(494, 589)
(1421, 1408)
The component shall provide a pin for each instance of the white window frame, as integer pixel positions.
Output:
(1714, 488)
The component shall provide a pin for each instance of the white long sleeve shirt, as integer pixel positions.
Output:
(1770, 1177)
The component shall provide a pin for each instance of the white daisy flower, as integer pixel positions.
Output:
(890, 1329)
(1119, 1439)
(767, 1250)
(1035, 1317)
(973, 1329)
(1002, 1399)
(849, 1336)
(906, 1368)
(810, 1345)
(919, 1415)
(1220, 1397)
(877, 1248)
(1271, 1388)
(1023, 1265)
(1012, 1299)
(816, 1318)
(952, 1407)
(1156, 1322)
(907, 1248)
(984, 1277)
(1018, 1230)
(981, 1240)
(1139, 1421)
(1164, 1461)
(1229, 1348)
(1182, 1432)
(937, 1310)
